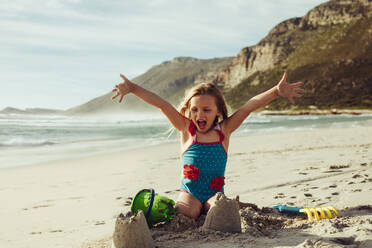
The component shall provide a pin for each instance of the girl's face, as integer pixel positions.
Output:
(203, 112)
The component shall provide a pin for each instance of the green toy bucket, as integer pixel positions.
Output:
(156, 208)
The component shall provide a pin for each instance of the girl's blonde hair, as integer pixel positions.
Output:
(204, 89)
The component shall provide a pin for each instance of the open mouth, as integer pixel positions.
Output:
(202, 124)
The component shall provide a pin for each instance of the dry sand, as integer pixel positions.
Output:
(75, 202)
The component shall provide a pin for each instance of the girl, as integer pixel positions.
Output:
(205, 130)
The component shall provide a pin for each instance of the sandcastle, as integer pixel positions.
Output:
(223, 215)
(132, 231)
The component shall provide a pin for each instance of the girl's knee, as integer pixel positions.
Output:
(189, 211)
(209, 203)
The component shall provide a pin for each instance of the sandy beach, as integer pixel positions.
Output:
(75, 202)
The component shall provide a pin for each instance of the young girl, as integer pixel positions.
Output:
(205, 129)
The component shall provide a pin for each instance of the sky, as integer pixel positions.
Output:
(62, 53)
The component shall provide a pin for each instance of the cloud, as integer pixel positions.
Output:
(50, 43)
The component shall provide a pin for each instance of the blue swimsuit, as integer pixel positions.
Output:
(204, 167)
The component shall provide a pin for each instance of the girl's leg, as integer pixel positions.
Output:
(209, 203)
(188, 205)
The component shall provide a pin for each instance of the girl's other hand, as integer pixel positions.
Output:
(122, 88)
(289, 90)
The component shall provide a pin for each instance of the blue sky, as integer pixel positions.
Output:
(62, 53)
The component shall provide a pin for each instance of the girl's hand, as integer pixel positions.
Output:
(123, 88)
(289, 90)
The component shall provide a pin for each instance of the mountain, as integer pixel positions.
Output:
(33, 111)
(170, 79)
(329, 49)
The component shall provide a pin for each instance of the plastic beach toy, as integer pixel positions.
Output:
(315, 213)
(156, 208)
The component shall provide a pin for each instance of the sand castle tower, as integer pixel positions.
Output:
(132, 231)
(223, 215)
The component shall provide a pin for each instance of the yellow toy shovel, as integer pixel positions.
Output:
(315, 213)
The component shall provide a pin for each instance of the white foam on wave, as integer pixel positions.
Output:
(17, 142)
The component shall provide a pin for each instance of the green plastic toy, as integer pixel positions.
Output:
(156, 208)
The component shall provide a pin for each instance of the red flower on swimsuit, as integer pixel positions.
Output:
(217, 183)
(191, 172)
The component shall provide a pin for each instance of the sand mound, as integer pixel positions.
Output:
(250, 221)
(261, 222)
(180, 223)
(131, 231)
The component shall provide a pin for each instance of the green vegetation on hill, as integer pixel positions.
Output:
(333, 62)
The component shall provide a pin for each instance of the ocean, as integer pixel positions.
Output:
(27, 140)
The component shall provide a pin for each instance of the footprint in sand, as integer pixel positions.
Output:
(128, 202)
(308, 195)
(170, 191)
(340, 166)
(42, 206)
(333, 186)
(344, 240)
(335, 193)
(279, 195)
(75, 198)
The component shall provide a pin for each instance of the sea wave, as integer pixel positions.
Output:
(17, 142)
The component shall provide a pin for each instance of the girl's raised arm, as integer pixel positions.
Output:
(281, 89)
(178, 121)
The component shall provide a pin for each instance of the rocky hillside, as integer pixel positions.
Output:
(329, 49)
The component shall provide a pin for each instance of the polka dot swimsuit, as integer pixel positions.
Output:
(204, 167)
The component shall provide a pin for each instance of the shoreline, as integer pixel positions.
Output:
(72, 202)
(332, 111)
(307, 111)
(256, 124)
